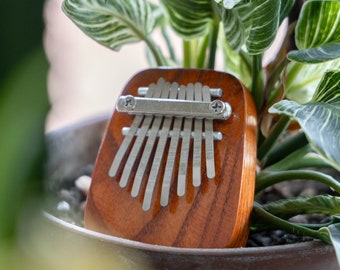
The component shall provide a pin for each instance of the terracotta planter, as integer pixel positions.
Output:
(75, 146)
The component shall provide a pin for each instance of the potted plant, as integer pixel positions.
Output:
(296, 93)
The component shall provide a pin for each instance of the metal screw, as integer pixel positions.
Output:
(129, 102)
(217, 106)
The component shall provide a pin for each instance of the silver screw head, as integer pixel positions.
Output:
(217, 106)
(129, 103)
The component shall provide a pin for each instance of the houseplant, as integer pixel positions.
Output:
(301, 83)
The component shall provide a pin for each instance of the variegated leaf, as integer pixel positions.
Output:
(253, 23)
(234, 28)
(191, 18)
(320, 118)
(265, 22)
(114, 23)
(316, 55)
(318, 24)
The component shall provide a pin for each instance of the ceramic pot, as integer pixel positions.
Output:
(76, 146)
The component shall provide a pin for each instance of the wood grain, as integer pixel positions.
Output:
(214, 215)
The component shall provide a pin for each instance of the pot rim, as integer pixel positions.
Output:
(184, 251)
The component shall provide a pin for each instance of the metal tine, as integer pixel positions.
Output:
(169, 167)
(196, 168)
(139, 140)
(209, 140)
(128, 138)
(183, 163)
(153, 132)
(163, 136)
(217, 135)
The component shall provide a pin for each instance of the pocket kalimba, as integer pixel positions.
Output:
(177, 163)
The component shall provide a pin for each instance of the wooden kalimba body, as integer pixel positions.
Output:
(177, 163)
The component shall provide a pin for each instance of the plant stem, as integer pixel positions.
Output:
(265, 179)
(213, 36)
(267, 145)
(187, 54)
(316, 226)
(213, 44)
(288, 226)
(257, 87)
(202, 52)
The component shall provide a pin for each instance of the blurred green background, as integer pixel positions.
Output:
(23, 108)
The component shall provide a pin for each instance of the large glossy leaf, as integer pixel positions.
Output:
(191, 18)
(302, 79)
(317, 34)
(253, 23)
(265, 23)
(316, 55)
(320, 118)
(318, 24)
(114, 23)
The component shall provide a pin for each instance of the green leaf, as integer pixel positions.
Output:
(302, 79)
(321, 204)
(320, 118)
(317, 32)
(236, 24)
(253, 23)
(318, 24)
(334, 235)
(316, 55)
(233, 28)
(191, 18)
(112, 24)
(265, 22)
